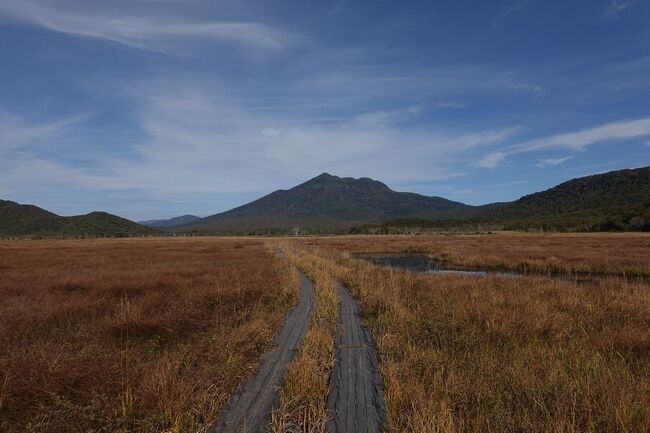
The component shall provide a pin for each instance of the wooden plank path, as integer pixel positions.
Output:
(249, 410)
(356, 400)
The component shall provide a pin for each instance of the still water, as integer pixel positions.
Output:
(421, 263)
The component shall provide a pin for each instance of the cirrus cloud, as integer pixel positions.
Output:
(150, 32)
(613, 131)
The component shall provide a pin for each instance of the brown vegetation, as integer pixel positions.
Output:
(589, 253)
(304, 393)
(133, 335)
(503, 354)
(154, 334)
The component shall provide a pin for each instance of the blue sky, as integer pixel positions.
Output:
(156, 108)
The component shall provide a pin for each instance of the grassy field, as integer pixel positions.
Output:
(598, 254)
(504, 354)
(134, 335)
(153, 335)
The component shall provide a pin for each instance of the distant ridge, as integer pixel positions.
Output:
(171, 222)
(29, 221)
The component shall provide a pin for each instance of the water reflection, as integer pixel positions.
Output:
(420, 263)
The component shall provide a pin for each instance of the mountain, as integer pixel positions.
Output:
(612, 190)
(172, 222)
(21, 220)
(102, 224)
(325, 203)
(617, 200)
(18, 219)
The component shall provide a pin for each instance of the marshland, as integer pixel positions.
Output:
(248, 216)
(157, 334)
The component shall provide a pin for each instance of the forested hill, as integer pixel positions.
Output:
(614, 201)
(28, 221)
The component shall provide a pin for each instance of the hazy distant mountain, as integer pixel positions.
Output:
(325, 203)
(31, 221)
(172, 222)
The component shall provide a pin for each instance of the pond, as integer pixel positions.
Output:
(421, 263)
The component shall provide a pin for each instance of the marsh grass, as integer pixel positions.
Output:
(574, 255)
(148, 335)
(153, 335)
(304, 392)
(495, 354)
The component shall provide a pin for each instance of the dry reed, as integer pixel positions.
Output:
(595, 254)
(143, 335)
(467, 354)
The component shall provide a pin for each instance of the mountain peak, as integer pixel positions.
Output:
(324, 177)
(356, 182)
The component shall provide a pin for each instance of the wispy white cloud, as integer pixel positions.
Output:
(552, 162)
(16, 132)
(24, 148)
(614, 131)
(148, 32)
(618, 6)
(355, 76)
(240, 110)
(450, 104)
(27, 172)
(387, 118)
(198, 141)
(509, 80)
(217, 144)
(575, 141)
(491, 160)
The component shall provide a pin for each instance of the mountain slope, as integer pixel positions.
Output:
(618, 200)
(16, 219)
(102, 224)
(325, 203)
(171, 222)
(612, 190)
(33, 222)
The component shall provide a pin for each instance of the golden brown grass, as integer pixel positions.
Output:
(133, 335)
(304, 393)
(154, 334)
(498, 354)
(623, 254)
